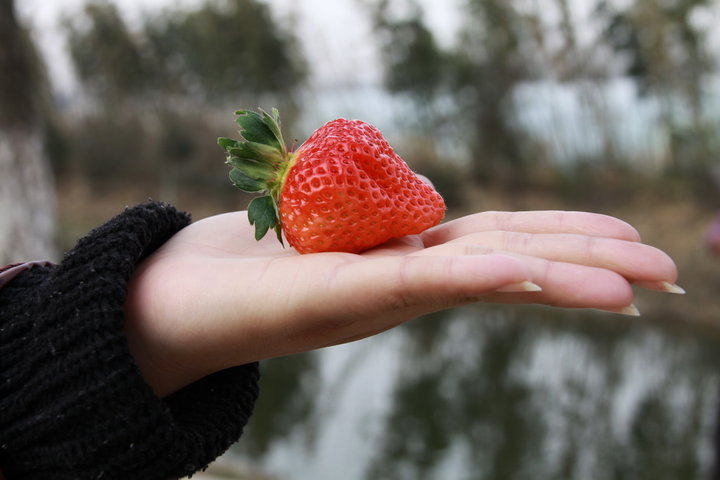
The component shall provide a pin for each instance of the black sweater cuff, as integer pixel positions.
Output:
(73, 404)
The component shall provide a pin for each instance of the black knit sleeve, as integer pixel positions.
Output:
(73, 404)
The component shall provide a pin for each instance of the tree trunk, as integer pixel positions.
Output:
(27, 196)
(27, 203)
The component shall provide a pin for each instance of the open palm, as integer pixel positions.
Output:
(213, 297)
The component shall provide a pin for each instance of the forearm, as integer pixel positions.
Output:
(73, 403)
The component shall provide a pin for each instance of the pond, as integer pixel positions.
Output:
(489, 392)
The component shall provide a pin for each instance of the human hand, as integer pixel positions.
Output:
(212, 297)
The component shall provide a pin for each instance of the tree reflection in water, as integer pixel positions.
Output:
(496, 393)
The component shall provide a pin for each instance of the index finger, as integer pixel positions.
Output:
(548, 221)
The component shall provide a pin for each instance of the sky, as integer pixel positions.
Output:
(336, 35)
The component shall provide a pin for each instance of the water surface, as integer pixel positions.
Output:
(494, 393)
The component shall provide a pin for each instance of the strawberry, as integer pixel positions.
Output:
(343, 190)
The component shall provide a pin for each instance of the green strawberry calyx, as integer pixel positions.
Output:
(259, 163)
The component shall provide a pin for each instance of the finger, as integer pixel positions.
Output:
(425, 282)
(635, 261)
(591, 224)
(573, 286)
(563, 284)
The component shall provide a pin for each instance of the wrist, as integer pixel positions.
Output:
(168, 354)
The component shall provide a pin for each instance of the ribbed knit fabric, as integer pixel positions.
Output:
(73, 404)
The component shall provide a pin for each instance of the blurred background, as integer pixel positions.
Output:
(610, 106)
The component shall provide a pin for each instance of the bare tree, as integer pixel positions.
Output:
(27, 200)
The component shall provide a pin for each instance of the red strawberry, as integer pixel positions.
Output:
(343, 190)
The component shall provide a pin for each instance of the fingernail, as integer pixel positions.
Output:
(631, 311)
(520, 287)
(662, 287)
(672, 288)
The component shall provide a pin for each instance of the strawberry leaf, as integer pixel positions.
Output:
(250, 168)
(253, 128)
(245, 182)
(262, 214)
(273, 123)
(227, 143)
(278, 232)
(256, 151)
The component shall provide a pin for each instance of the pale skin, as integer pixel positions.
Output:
(212, 297)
